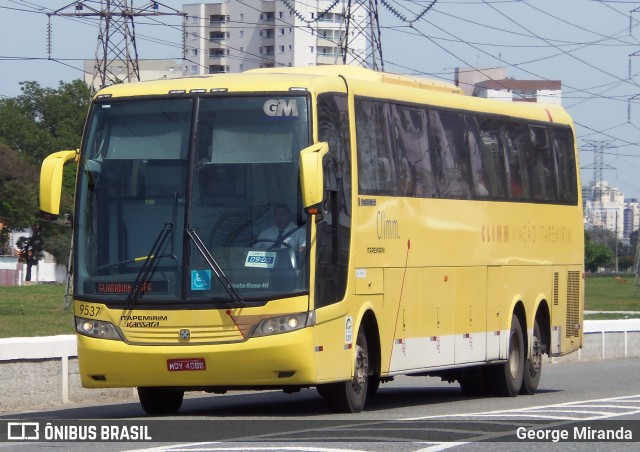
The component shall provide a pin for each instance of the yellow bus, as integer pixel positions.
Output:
(329, 227)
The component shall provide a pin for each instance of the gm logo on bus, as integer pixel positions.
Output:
(281, 108)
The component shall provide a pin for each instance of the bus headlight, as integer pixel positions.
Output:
(284, 324)
(96, 328)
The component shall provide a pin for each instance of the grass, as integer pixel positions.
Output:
(37, 310)
(614, 294)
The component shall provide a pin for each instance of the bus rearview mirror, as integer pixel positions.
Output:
(51, 182)
(311, 175)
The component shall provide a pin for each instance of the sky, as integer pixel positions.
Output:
(591, 46)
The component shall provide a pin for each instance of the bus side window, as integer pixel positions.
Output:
(493, 157)
(368, 177)
(448, 132)
(476, 153)
(416, 176)
(541, 165)
(566, 164)
(515, 137)
(334, 228)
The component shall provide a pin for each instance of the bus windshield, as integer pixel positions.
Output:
(202, 213)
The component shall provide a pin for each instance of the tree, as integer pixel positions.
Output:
(18, 192)
(44, 120)
(33, 125)
(626, 262)
(30, 250)
(596, 255)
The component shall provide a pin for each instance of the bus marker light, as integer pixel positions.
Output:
(319, 348)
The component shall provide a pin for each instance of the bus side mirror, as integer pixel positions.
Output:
(311, 176)
(51, 182)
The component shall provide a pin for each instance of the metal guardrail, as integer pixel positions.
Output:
(602, 339)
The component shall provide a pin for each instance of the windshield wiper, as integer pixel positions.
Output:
(211, 261)
(147, 266)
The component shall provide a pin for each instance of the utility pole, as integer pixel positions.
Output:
(116, 52)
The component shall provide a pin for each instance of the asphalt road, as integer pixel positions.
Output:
(577, 406)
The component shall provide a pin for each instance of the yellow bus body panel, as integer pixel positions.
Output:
(441, 277)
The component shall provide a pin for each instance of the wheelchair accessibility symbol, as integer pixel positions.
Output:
(200, 279)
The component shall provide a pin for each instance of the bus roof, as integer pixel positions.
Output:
(357, 72)
(274, 78)
(364, 82)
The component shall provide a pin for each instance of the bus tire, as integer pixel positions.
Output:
(507, 377)
(373, 384)
(474, 382)
(533, 365)
(157, 401)
(350, 396)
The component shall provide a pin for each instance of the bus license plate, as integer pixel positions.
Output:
(181, 364)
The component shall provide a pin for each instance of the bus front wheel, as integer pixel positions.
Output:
(507, 378)
(157, 401)
(349, 396)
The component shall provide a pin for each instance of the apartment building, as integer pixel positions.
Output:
(604, 207)
(631, 218)
(512, 90)
(233, 35)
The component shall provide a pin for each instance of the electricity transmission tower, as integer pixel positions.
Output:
(116, 52)
(598, 166)
(361, 22)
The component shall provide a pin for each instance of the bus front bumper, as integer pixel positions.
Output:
(272, 361)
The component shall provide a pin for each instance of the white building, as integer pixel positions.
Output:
(149, 70)
(233, 36)
(511, 90)
(12, 272)
(604, 207)
(466, 78)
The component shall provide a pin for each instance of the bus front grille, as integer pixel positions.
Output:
(182, 336)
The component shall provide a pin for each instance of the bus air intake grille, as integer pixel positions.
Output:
(573, 303)
(556, 279)
(171, 335)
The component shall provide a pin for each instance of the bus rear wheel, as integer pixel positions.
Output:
(507, 377)
(533, 365)
(157, 401)
(350, 396)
